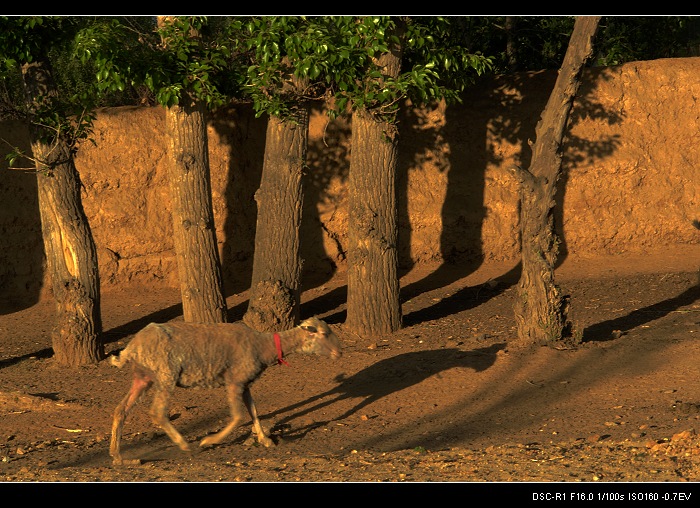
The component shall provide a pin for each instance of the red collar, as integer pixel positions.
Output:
(278, 345)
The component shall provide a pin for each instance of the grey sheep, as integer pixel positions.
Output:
(188, 355)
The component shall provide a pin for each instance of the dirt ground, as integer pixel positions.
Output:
(443, 400)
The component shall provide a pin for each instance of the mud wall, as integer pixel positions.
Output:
(630, 180)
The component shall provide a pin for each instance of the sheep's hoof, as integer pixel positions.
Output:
(126, 462)
(208, 441)
(266, 442)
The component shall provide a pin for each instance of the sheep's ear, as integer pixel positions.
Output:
(309, 328)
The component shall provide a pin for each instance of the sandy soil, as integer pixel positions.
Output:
(443, 400)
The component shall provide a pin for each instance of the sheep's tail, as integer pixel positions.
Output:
(119, 360)
(131, 350)
(122, 357)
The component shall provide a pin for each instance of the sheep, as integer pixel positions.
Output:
(188, 355)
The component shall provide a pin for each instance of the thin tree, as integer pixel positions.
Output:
(541, 311)
(278, 82)
(194, 231)
(56, 126)
(391, 59)
(172, 58)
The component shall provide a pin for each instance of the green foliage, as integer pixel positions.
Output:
(441, 43)
(185, 57)
(520, 43)
(99, 61)
(22, 39)
(66, 115)
(190, 61)
(524, 43)
(436, 64)
(279, 50)
(337, 55)
(625, 39)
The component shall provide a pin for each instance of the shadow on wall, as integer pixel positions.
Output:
(469, 141)
(488, 113)
(494, 112)
(22, 265)
(328, 162)
(327, 159)
(244, 136)
(578, 150)
(462, 212)
(489, 130)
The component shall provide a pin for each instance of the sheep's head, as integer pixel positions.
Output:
(319, 339)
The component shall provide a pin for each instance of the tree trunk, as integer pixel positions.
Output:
(541, 312)
(510, 29)
(71, 255)
(193, 217)
(373, 306)
(274, 301)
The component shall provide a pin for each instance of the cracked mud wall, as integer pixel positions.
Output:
(629, 183)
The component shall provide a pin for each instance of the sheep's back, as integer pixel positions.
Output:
(190, 354)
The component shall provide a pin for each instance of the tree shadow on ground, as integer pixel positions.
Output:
(326, 303)
(614, 328)
(493, 109)
(461, 300)
(162, 316)
(384, 378)
(120, 332)
(42, 353)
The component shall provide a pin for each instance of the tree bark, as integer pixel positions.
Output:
(71, 255)
(194, 232)
(275, 300)
(373, 305)
(541, 311)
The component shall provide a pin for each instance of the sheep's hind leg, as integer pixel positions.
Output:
(139, 386)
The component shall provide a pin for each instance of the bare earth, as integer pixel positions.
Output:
(443, 400)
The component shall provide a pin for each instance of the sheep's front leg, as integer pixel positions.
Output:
(237, 396)
(263, 438)
(234, 397)
(159, 413)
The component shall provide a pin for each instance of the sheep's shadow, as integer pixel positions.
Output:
(370, 384)
(381, 379)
